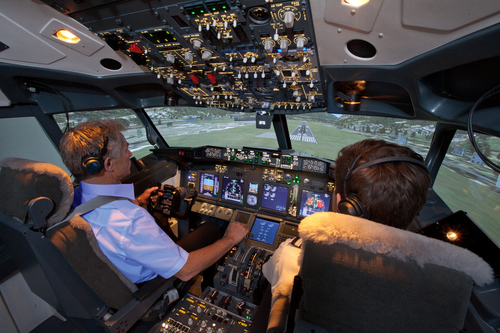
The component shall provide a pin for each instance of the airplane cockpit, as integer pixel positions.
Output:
(237, 110)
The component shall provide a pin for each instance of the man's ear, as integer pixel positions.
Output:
(108, 164)
(338, 200)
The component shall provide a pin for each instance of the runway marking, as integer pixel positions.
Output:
(303, 133)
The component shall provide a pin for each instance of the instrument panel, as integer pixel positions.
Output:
(256, 187)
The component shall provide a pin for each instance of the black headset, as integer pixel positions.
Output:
(349, 203)
(92, 165)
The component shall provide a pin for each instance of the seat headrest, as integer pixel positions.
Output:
(22, 180)
(358, 233)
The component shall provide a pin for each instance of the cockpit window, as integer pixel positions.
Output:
(324, 135)
(135, 134)
(193, 127)
(465, 183)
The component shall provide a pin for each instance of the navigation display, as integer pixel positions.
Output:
(264, 231)
(314, 202)
(274, 197)
(233, 189)
(209, 184)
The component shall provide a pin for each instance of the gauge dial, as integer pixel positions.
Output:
(251, 200)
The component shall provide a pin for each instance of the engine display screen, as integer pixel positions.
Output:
(233, 189)
(314, 202)
(264, 231)
(274, 197)
(209, 184)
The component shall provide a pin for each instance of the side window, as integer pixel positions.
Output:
(25, 138)
(135, 134)
(465, 183)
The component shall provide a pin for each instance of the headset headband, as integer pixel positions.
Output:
(349, 202)
(411, 160)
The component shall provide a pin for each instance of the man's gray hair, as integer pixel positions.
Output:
(87, 139)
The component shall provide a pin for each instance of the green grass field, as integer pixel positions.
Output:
(481, 203)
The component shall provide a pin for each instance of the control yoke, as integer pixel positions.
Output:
(168, 201)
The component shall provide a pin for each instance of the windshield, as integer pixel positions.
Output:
(318, 134)
(192, 127)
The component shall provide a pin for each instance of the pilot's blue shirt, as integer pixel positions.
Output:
(129, 236)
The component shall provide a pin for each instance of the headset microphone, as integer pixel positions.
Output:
(349, 203)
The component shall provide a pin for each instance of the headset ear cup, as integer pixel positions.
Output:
(92, 165)
(351, 205)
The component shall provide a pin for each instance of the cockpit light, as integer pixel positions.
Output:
(66, 36)
(452, 235)
(355, 3)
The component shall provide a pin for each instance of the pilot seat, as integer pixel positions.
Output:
(360, 276)
(61, 261)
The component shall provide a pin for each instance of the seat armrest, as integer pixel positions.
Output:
(150, 287)
(128, 315)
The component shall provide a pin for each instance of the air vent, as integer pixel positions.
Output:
(361, 49)
(111, 64)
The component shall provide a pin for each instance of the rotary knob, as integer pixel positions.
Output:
(196, 44)
(284, 45)
(188, 56)
(289, 19)
(268, 45)
(301, 41)
(170, 58)
(206, 55)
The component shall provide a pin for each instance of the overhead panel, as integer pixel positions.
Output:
(234, 55)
